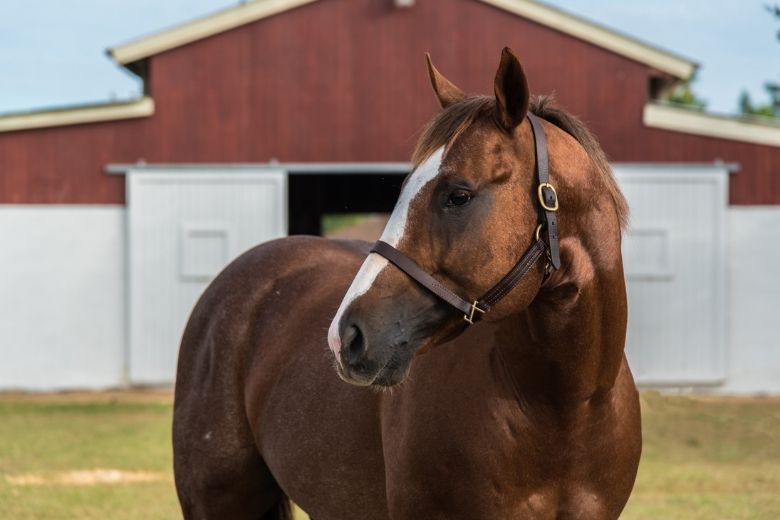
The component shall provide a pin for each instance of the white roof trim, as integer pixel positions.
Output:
(540, 13)
(378, 168)
(143, 107)
(700, 123)
(201, 28)
(598, 35)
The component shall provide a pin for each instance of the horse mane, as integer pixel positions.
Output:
(448, 124)
(543, 107)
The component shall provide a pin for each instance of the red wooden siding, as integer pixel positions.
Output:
(345, 80)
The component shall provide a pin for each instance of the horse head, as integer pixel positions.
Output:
(465, 214)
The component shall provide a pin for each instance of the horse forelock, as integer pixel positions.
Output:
(449, 124)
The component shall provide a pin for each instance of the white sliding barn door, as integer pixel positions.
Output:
(183, 228)
(674, 258)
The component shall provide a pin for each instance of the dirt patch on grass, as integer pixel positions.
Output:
(132, 395)
(88, 477)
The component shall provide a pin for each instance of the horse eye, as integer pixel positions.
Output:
(459, 198)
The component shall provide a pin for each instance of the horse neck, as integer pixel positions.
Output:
(567, 346)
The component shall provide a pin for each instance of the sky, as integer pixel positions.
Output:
(52, 52)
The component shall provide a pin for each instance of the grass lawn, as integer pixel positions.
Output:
(98, 456)
(708, 458)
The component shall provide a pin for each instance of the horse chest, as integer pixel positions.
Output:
(504, 464)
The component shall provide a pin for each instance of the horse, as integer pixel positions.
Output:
(517, 404)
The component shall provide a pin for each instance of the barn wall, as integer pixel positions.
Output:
(352, 84)
(62, 298)
(65, 165)
(759, 178)
(344, 80)
(754, 300)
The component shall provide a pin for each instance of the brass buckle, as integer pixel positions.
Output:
(540, 193)
(470, 316)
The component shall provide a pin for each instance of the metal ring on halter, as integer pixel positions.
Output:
(547, 263)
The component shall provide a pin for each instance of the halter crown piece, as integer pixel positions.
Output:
(543, 246)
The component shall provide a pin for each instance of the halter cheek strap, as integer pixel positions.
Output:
(548, 201)
(548, 198)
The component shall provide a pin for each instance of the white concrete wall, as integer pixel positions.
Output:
(61, 296)
(753, 290)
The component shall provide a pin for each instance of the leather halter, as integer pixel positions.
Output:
(548, 224)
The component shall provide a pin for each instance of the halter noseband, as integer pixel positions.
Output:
(548, 202)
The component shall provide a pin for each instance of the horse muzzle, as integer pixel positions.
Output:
(370, 356)
(375, 340)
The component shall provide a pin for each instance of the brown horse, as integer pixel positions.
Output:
(530, 413)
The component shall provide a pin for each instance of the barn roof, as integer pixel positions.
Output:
(76, 115)
(749, 129)
(225, 20)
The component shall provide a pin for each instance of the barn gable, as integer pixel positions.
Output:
(129, 54)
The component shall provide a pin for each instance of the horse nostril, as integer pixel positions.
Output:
(353, 345)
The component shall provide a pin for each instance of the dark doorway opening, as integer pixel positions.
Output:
(313, 195)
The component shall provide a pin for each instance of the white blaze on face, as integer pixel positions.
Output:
(394, 231)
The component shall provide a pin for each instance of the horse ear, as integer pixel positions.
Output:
(446, 92)
(511, 88)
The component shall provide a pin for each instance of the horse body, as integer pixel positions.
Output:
(478, 431)
(531, 413)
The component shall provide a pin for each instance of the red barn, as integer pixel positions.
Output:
(323, 100)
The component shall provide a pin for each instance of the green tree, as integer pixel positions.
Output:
(774, 10)
(747, 107)
(772, 108)
(683, 94)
